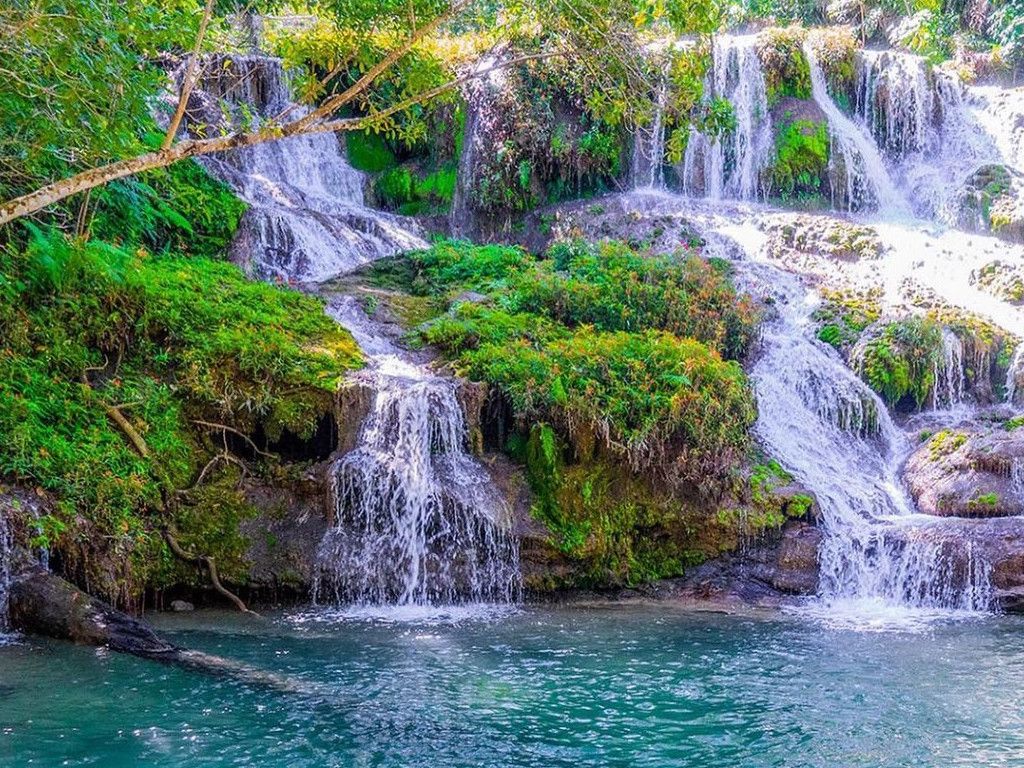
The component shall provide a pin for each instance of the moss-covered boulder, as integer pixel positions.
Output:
(799, 171)
(971, 470)
(786, 69)
(992, 200)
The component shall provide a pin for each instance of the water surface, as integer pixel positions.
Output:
(610, 686)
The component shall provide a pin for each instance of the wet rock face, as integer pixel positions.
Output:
(992, 200)
(766, 571)
(974, 471)
(283, 537)
(615, 217)
(810, 242)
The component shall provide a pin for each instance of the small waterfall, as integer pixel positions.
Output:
(950, 374)
(6, 549)
(307, 220)
(875, 547)
(730, 166)
(418, 522)
(648, 163)
(1017, 477)
(483, 96)
(896, 100)
(1015, 376)
(866, 183)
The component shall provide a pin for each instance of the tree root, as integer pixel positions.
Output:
(167, 496)
(211, 568)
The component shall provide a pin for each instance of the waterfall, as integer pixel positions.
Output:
(1015, 375)
(866, 181)
(1017, 478)
(880, 560)
(648, 162)
(875, 549)
(730, 166)
(483, 95)
(307, 220)
(6, 549)
(418, 522)
(950, 376)
(896, 100)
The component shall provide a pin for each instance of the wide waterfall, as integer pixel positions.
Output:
(418, 522)
(730, 166)
(307, 220)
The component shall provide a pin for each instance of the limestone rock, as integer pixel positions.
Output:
(973, 470)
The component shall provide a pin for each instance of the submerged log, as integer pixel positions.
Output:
(42, 603)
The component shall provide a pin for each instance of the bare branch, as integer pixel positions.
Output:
(191, 76)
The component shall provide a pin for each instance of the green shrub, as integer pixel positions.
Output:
(786, 69)
(369, 152)
(180, 208)
(900, 363)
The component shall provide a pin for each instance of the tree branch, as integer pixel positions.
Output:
(211, 567)
(332, 104)
(190, 78)
(39, 199)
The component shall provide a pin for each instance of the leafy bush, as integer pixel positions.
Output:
(180, 208)
(786, 69)
(623, 345)
(900, 362)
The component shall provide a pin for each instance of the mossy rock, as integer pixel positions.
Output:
(992, 200)
(799, 170)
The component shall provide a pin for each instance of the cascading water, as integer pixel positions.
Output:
(1015, 377)
(6, 547)
(876, 551)
(950, 376)
(896, 100)
(648, 162)
(866, 183)
(880, 560)
(418, 521)
(730, 166)
(307, 220)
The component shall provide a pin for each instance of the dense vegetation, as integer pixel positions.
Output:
(628, 406)
(91, 330)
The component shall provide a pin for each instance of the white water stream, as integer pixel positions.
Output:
(307, 219)
(418, 520)
(418, 524)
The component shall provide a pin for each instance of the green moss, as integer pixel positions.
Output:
(844, 316)
(786, 70)
(983, 503)
(944, 443)
(166, 340)
(1015, 423)
(395, 187)
(800, 169)
(900, 363)
(180, 208)
(612, 524)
